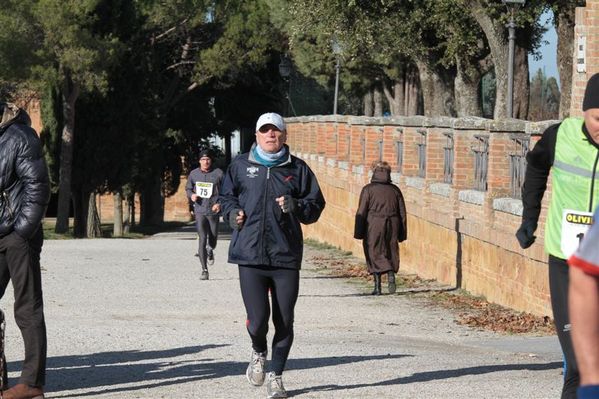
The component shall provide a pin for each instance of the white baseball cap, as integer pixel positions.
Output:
(271, 118)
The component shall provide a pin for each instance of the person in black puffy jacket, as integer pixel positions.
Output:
(266, 194)
(24, 195)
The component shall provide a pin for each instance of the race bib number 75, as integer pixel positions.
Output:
(204, 189)
(575, 225)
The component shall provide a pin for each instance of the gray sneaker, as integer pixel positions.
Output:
(210, 256)
(274, 386)
(255, 372)
(204, 275)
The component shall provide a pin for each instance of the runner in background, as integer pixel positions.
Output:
(202, 190)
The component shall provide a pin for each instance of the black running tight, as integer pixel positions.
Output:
(558, 286)
(207, 228)
(283, 284)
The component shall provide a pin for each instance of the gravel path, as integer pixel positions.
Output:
(131, 319)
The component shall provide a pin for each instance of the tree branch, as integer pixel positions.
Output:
(169, 31)
(178, 64)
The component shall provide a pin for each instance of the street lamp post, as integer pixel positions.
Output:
(511, 25)
(337, 51)
(285, 72)
(337, 67)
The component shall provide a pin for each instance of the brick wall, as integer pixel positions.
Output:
(456, 234)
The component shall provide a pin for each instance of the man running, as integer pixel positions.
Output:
(202, 189)
(266, 194)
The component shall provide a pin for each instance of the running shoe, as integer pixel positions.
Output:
(210, 257)
(204, 275)
(274, 386)
(255, 372)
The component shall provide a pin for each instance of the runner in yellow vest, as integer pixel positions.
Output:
(570, 150)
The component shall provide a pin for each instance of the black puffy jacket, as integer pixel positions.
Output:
(24, 185)
(269, 236)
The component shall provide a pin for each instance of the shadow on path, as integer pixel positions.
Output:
(357, 294)
(126, 371)
(433, 375)
(107, 370)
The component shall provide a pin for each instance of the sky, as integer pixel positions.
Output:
(548, 50)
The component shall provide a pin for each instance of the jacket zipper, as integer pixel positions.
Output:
(264, 215)
(7, 202)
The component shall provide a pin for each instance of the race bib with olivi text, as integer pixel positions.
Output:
(575, 224)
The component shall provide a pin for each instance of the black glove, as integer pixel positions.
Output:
(525, 233)
(233, 219)
(289, 204)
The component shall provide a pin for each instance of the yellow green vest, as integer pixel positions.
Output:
(571, 175)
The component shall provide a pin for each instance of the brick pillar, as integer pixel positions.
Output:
(343, 140)
(373, 135)
(389, 148)
(411, 137)
(330, 139)
(434, 154)
(292, 133)
(355, 145)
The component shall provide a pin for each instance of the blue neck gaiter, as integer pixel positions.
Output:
(269, 159)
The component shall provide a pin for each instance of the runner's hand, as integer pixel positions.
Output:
(525, 233)
(287, 203)
(236, 219)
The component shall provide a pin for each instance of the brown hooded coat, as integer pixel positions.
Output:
(381, 222)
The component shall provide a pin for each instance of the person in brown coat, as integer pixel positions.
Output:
(381, 224)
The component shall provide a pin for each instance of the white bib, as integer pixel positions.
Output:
(575, 224)
(204, 189)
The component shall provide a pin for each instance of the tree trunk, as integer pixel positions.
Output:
(93, 220)
(152, 204)
(368, 104)
(79, 212)
(127, 217)
(377, 99)
(70, 93)
(521, 84)
(395, 96)
(117, 230)
(564, 25)
(495, 34)
(228, 150)
(437, 92)
(467, 93)
(413, 93)
(132, 209)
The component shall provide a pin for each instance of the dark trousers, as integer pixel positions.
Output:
(207, 228)
(283, 284)
(558, 287)
(20, 262)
